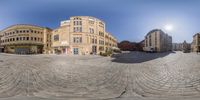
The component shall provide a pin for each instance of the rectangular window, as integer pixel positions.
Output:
(101, 33)
(95, 41)
(92, 40)
(155, 38)
(77, 39)
(101, 42)
(77, 23)
(56, 37)
(77, 29)
(91, 30)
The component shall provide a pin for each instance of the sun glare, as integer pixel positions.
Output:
(168, 27)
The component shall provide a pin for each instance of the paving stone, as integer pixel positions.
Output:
(129, 75)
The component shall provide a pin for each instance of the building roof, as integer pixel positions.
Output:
(154, 30)
(89, 17)
(23, 25)
(196, 34)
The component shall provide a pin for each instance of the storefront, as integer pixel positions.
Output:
(62, 50)
(24, 49)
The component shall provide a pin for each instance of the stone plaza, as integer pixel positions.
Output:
(126, 76)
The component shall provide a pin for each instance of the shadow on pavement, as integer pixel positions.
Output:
(137, 57)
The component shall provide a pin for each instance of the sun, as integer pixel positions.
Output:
(168, 27)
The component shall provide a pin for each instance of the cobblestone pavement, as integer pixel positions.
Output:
(125, 76)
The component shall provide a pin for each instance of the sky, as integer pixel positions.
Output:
(125, 19)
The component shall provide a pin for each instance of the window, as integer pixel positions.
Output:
(101, 24)
(101, 48)
(155, 38)
(101, 33)
(93, 41)
(150, 40)
(101, 42)
(91, 22)
(77, 39)
(27, 38)
(75, 50)
(77, 29)
(77, 22)
(56, 37)
(91, 30)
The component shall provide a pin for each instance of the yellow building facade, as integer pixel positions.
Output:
(157, 41)
(196, 43)
(80, 35)
(26, 39)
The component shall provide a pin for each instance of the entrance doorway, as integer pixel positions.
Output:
(22, 50)
(76, 51)
(94, 49)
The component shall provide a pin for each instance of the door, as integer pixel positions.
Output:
(76, 51)
(94, 49)
(22, 50)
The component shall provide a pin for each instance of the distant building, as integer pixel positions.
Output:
(127, 46)
(177, 46)
(131, 46)
(157, 41)
(196, 43)
(186, 47)
(140, 45)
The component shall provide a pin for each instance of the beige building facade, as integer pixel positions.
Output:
(177, 46)
(80, 35)
(26, 39)
(196, 43)
(157, 41)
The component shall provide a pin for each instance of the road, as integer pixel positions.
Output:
(128, 75)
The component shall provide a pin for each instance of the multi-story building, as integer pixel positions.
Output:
(196, 43)
(177, 46)
(82, 35)
(78, 35)
(158, 41)
(186, 47)
(25, 39)
(1, 47)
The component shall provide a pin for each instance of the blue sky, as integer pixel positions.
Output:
(125, 19)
